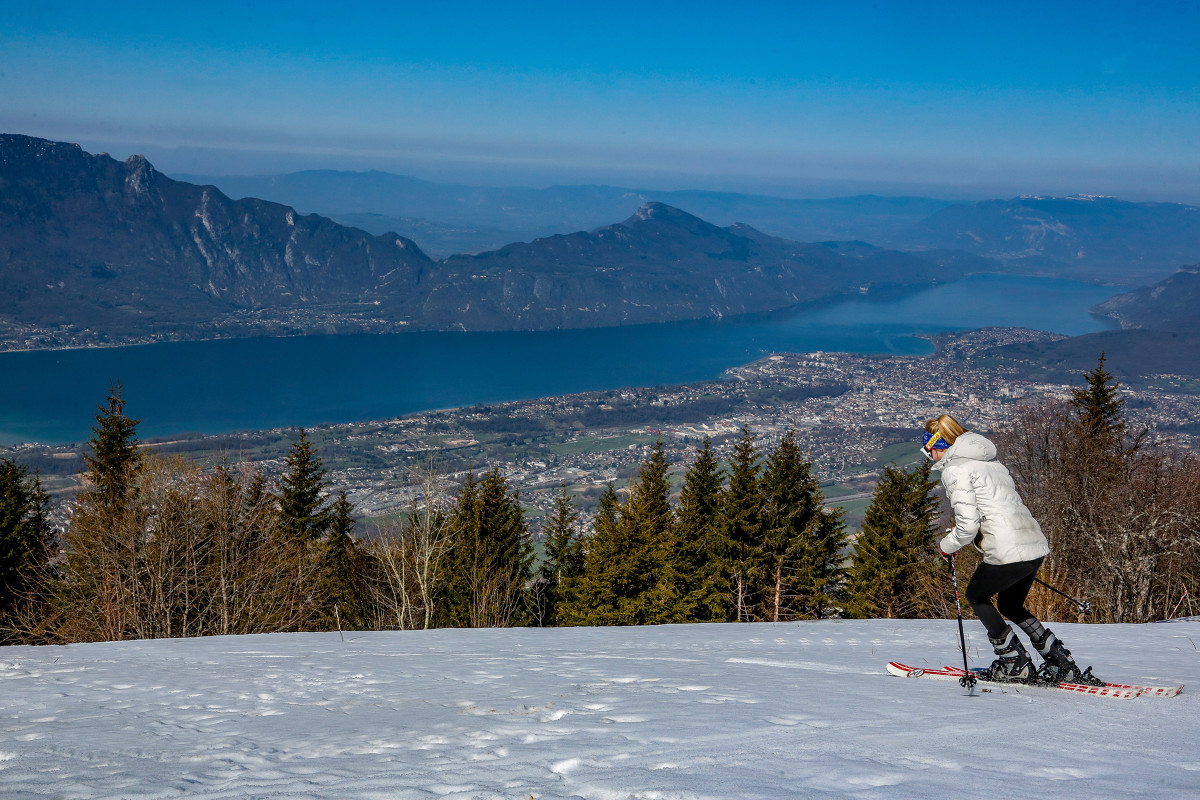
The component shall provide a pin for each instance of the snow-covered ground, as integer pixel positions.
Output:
(799, 710)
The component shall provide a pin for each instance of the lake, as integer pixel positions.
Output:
(249, 384)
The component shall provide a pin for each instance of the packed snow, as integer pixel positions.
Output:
(796, 710)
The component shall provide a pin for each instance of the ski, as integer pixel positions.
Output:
(1145, 691)
(954, 673)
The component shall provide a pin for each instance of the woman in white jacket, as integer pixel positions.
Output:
(989, 513)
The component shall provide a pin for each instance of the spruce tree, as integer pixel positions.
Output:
(105, 542)
(112, 459)
(563, 566)
(25, 534)
(628, 579)
(605, 577)
(698, 554)
(891, 574)
(304, 515)
(1099, 406)
(741, 526)
(650, 520)
(340, 577)
(800, 564)
(490, 562)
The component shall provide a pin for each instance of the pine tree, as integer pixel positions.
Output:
(628, 579)
(1099, 406)
(605, 579)
(113, 459)
(340, 579)
(650, 521)
(490, 561)
(800, 564)
(563, 566)
(697, 557)
(105, 542)
(894, 553)
(25, 534)
(304, 515)
(741, 526)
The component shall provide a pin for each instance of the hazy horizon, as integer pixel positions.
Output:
(786, 99)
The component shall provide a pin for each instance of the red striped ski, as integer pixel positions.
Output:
(954, 673)
(1144, 691)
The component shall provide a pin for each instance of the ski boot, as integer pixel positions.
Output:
(1059, 666)
(1013, 664)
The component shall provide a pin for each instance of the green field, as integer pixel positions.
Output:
(901, 453)
(854, 511)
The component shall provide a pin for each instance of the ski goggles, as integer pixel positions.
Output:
(933, 441)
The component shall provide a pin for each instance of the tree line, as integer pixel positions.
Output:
(157, 546)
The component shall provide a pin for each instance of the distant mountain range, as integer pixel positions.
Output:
(664, 264)
(123, 250)
(449, 219)
(94, 250)
(111, 251)
(1086, 238)
(1083, 237)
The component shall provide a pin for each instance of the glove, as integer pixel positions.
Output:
(946, 556)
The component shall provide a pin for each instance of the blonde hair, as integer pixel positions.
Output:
(947, 426)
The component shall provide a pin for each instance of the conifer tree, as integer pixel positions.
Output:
(105, 543)
(800, 563)
(697, 558)
(627, 578)
(741, 526)
(563, 566)
(340, 572)
(1099, 406)
(605, 575)
(895, 552)
(304, 515)
(650, 520)
(112, 459)
(490, 561)
(25, 534)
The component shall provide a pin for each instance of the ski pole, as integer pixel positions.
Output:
(967, 681)
(1084, 605)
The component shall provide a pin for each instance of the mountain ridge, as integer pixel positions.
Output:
(81, 233)
(1171, 304)
(1082, 237)
(107, 251)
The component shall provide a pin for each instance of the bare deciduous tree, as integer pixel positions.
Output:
(1121, 513)
(186, 553)
(410, 555)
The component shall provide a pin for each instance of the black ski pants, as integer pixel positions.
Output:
(1010, 584)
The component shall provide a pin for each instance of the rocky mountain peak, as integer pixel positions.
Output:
(654, 210)
(139, 174)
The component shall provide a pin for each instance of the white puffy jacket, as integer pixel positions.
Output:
(983, 497)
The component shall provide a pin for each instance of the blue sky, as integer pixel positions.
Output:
(805, 99)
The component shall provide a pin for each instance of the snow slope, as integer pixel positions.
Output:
(800, 710)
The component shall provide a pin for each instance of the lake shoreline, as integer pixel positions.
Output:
(265, 383)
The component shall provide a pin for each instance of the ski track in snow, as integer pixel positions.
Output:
(678, 712)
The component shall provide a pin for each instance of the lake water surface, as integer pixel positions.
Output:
(245, 384)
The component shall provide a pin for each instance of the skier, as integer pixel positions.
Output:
(989, 513)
